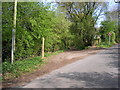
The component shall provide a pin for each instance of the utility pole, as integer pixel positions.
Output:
(118, 1)
(13, 32)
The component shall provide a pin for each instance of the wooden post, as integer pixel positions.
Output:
(43, 47)
(109, 34)
(109, 40)
(13, 32)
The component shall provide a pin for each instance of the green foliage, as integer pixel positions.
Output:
(54, 53)
(60, 36)
(7, 25)
(83, 18)
(35, 25)
(108, 27)
(71, 27)
(113, 37)
(105, 45)
(34, 21)
(20, 67)
(23, 66)
(84, 32)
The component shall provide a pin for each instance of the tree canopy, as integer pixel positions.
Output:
(70, 25)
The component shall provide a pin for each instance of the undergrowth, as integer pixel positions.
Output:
(21, 67)
(53, 53)
(105, 45)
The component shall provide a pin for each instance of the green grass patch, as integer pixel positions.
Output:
(53, 53)
(23, 66)
(20, 67)
(87, 47)
(105, 44)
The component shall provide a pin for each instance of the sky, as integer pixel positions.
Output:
(111, 6)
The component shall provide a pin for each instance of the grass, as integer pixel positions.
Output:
(23, 66)
(53, 53)
(105, 45)
(87, 47)
(20, 67)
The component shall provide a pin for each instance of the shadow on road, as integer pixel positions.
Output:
(96, 79)
(113, 63)
(92, 79)
(113, 55)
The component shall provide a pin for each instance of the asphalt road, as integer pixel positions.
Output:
(96, 71)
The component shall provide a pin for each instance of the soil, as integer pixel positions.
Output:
(53, 62)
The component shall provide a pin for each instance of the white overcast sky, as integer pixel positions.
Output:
(112, 5)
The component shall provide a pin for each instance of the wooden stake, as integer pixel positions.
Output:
(43, 47)
(109, 40)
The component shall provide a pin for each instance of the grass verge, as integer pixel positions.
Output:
(20, 67)
(53, 53)
(105, 45)
(23, 66)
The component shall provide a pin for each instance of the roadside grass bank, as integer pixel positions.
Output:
(49, 64)
(22, 67)
(28, 65)
(105, 45)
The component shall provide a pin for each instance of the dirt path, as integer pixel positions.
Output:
(52, 63)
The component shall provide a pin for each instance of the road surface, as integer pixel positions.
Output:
(96, 71)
